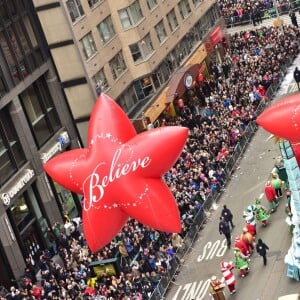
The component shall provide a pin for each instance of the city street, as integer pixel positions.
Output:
(203, 261)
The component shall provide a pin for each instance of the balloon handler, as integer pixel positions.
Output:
(262, 214)
(216, 288)
(241, 262)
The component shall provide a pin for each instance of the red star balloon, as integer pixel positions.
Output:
(282, 118)
(120, 174)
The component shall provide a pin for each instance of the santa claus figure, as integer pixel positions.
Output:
(226, 269)
(251, 229)
(238, 243)
(241, 262)
(248, 239)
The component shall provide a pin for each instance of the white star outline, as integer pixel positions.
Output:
(137, 203)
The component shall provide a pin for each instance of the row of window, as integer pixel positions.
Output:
(141, 50)
(145, 88)
(19, 44)
(130, 15)
(43, 122)
(107, 31)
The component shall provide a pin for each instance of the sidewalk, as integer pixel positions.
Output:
(266, 23)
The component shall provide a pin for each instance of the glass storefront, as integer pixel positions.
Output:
(68, 202)
(29, 225)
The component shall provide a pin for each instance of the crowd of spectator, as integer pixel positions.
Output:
(237, 11)
(217, 113)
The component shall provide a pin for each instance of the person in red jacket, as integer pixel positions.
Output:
(270, 194)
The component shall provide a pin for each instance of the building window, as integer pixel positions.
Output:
(92, 3)
(7, 10)
(172, 20)
(3, 84)
(128, 99)
(101, 81)
(161, 31)
(151, 4)
(106, 29)
(131, 15)
(14, 55)
(142, 50)
(184, 8)
(197, 2)
(144, 87)
(88, 45)
(75, 9)
(117, 65)
(40, 111)
(11, 153)
(29, 224)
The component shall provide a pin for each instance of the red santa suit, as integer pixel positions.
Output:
(270, 192)
(238, 243)
(251, 229)
(248, 239)
(226, 269)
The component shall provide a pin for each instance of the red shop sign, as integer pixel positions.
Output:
(216, 36)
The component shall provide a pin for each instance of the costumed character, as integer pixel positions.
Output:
(262, 214)
(238, 243)
(216, 288)
(249, 214)
(248, 239)
(281, 172)
(226, 269)
(241, 262)
(271, 197)
(251, 228)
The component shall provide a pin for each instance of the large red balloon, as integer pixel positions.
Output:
(120, 174)
(296, 149)
(283, 118)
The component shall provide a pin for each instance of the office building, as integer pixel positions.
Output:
(35, 124)
(127, 49)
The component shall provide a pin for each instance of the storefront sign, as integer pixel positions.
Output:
(21, 182)
(216, 37)
(62, 140)
(188, 80)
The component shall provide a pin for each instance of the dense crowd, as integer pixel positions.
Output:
(217, 113)
(239, 10)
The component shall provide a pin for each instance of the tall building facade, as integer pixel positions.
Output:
(55, 57)
(128, 49)
(35, 124)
